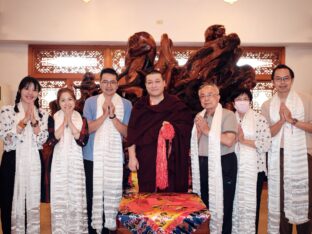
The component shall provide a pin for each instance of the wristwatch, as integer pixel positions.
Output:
(112, 117)
(294, 121)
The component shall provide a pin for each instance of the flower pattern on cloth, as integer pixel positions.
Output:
(8, 129)
(162, 213)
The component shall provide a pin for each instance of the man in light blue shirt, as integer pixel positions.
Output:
(109, 86)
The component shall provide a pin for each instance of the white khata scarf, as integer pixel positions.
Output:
(245, 202)
(27, 181)
(68, 196)
(107, 168)
(214, 170)
(296, 187)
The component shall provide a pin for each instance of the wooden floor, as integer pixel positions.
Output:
(46, 216)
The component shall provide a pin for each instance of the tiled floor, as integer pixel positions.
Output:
(263, 217)
(46, 225)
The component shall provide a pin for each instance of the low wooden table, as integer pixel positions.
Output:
(162, 213)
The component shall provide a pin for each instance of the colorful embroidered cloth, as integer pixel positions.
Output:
(162, 213)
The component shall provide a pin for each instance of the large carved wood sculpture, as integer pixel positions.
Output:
(88, 88)
(214, 62)
(140, 56)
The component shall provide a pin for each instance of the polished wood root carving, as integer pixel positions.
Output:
(88, 88)
(214, 62)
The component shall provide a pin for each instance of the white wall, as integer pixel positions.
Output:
(13, 65)
(279, 22)
(256, 21)
(6, 98)
(300, 59)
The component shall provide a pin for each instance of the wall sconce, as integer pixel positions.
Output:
(86, 1)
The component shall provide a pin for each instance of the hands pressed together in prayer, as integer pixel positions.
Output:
(285, 114)
(201, 126)
(67, 117)
(240, 135)
(68, 113)
(67, 123)
(29, 116)
(108, 109)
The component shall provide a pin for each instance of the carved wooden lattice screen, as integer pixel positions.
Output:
(58, 66)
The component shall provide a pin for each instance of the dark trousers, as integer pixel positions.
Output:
(7, 176)
(261, 178)
(229, 173)
(46, 163)
(285, 226)
(88, 166)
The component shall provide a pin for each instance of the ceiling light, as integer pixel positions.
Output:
(230, 1)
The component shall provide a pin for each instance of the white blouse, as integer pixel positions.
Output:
(262, 142)
(8, 129)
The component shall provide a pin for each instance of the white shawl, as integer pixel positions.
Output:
(245, 202)
(296, 187)
(107, 168)
(214, 170)
(68, 192)
(27, 181)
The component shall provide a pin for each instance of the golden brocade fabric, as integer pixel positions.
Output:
(162, 212)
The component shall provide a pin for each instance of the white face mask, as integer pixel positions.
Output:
(242, 106)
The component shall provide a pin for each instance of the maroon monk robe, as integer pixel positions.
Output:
(143, 130)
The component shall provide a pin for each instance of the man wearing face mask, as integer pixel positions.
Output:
(253, 141)
(213, 158)
(290, 157)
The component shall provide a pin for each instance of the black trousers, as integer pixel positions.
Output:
(261, 179)
(285, 226)
(88, 166)
(7, 176)
(229, 173)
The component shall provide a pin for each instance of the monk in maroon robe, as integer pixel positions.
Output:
(148, 116)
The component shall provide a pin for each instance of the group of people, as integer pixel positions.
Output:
(223, 151)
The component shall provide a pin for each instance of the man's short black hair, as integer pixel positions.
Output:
(154, 71)
(108, 70)
(283, 66)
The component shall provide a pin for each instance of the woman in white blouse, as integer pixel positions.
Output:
(253, 141)
(23, 129)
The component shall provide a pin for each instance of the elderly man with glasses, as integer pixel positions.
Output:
(214, 163)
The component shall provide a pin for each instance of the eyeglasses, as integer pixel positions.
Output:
(208, 95)
(106, 82)
(280, 79)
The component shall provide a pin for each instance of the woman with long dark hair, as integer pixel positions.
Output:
(23, 129)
